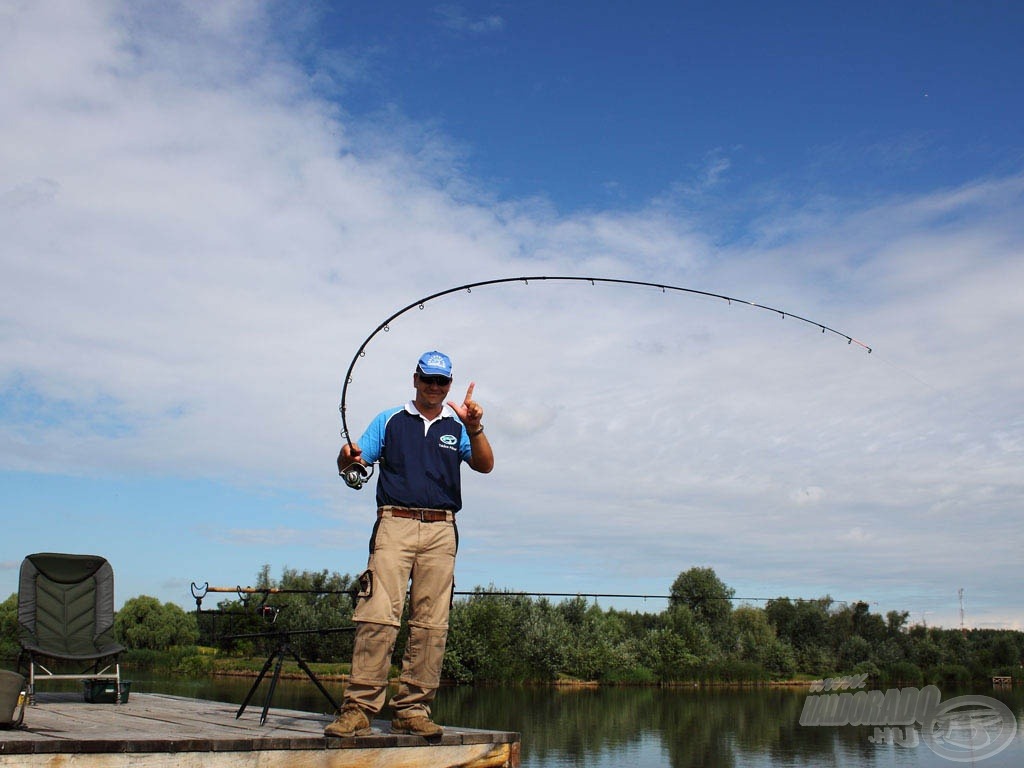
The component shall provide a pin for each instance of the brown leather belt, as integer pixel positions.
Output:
(415, 513)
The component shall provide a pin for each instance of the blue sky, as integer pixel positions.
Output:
(206, 209)
(594, 105)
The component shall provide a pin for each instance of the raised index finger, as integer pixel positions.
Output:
(469, 392)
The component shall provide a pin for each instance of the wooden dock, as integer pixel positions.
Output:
(158, 731)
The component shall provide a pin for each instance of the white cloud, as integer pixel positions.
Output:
(454, 18)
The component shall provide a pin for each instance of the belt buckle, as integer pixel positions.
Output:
(422, 514)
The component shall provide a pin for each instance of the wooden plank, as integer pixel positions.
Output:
(440, 756)
(157, 731)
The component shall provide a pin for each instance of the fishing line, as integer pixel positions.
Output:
(356, 475)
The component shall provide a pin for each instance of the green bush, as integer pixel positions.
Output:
(144, 623)
(9, 645)
(949, 675)
(733, 671)
(631, 676)
(870, 669)
(903, 674)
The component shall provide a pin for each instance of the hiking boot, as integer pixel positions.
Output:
(351, 721)
(419, 725)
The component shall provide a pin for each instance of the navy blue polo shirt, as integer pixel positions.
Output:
(420, 460)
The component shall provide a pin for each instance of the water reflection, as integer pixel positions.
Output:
(644, 727)
(683, 728)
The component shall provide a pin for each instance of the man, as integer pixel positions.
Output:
(420, 448)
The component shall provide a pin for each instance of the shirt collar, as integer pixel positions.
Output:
(445, 411)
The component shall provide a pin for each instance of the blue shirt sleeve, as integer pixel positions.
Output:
(372, 441)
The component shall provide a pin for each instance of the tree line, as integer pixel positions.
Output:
(500, 636)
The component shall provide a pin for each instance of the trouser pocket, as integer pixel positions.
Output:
(365, 585)
(371, 656)
(424, 656)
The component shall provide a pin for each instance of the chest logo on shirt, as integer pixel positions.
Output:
(449, 440)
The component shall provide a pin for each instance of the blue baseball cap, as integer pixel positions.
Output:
(435, 364)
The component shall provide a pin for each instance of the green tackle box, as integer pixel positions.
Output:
(105, 692)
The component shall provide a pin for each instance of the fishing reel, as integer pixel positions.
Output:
(356, 475)
(268, 612)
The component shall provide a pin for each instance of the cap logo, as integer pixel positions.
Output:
(436, 361)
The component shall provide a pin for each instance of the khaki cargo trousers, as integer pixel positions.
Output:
(401, 550)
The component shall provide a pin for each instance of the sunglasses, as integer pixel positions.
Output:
(440, 381)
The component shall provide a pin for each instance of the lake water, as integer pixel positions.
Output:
(652, 727)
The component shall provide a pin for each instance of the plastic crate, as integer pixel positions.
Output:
(104, 691)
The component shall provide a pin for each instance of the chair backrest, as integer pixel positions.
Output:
(66, 604)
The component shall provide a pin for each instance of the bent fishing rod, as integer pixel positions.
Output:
(356, 475)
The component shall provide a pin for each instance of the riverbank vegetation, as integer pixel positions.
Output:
(499, 636)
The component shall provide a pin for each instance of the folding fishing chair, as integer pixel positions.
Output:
(66, 617)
